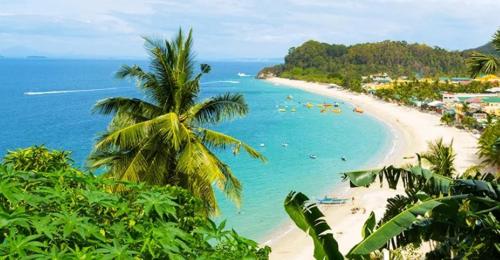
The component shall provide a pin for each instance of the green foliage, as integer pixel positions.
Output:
(408, 92)
(352, 82)
(38, 159)
(309, 218)
(441, 157)
(68, 215)
(480, 63)
(489, 145)
(396, 225)
(315, 61)
(164, 139)
(448, 119)
(468, 215)
(470, 122)
(459, 215)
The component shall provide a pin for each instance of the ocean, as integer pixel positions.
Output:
(49, 102)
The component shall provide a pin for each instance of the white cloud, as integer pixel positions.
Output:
(241, 28)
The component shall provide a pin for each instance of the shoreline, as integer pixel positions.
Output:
(408, 137)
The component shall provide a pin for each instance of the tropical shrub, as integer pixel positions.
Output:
(459, 215)
(38, 159)
(489, 145)
(448, 119)
(441, 157)
(68, 215)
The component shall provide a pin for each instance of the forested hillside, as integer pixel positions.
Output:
(330, 62)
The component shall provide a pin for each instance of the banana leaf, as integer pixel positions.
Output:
(309, 218)
(396, 225)
(368, 226)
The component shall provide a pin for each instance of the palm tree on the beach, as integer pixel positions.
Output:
(480, 63)
(162, 139)
(441, 157)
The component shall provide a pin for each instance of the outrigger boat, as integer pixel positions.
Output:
(327, 200)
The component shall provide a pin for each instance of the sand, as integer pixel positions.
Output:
(412, 130)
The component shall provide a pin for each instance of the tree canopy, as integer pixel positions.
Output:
(325, 62)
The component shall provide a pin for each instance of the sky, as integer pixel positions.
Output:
(225, 29)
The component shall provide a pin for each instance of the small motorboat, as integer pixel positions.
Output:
(336, 110)
(312, 156)
(336, 104)
(281, 109)
(284, 144)
(343, 158)
(241, 74)
(309, 105)
(289, 97)
(327, 200)
(262, 145)
(293, 109)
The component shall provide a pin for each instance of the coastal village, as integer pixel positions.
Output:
(453, 106)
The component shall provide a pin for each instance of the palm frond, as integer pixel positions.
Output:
(130, 136)
(219, 108)
(479, 63)
(133, 106)
(219, 140)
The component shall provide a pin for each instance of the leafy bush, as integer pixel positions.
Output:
(38, 159)
(73, 215)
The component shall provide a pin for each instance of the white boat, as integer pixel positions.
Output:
(312, 156)
(241, 74)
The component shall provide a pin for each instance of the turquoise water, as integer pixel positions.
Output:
(49, 101)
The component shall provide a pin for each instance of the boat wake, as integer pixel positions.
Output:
(221, 81)
(241, 74)
(34, 93)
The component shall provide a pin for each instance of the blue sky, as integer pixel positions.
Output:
(239, 28)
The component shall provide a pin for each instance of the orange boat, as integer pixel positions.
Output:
(358, 110)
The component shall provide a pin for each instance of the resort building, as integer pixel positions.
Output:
(380, 78)
(462, 97)
(491, 105)
(455, 80)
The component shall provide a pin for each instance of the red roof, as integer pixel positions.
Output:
(474, 100)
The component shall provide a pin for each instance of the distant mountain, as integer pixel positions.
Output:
(326, 62)
(486, 49)
(36, 57)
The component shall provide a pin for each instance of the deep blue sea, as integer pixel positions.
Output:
(49, 102)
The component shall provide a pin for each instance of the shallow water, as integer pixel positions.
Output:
(49, 102)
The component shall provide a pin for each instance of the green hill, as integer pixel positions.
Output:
(486, 49)
(332, 62)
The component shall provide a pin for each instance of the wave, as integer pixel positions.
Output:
(33, 93)
(221, 81)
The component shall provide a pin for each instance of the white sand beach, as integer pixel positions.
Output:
(412, 131)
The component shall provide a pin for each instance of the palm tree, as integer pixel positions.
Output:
(479, 63)
(489, 145)
(163, 139)
(441, 157)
